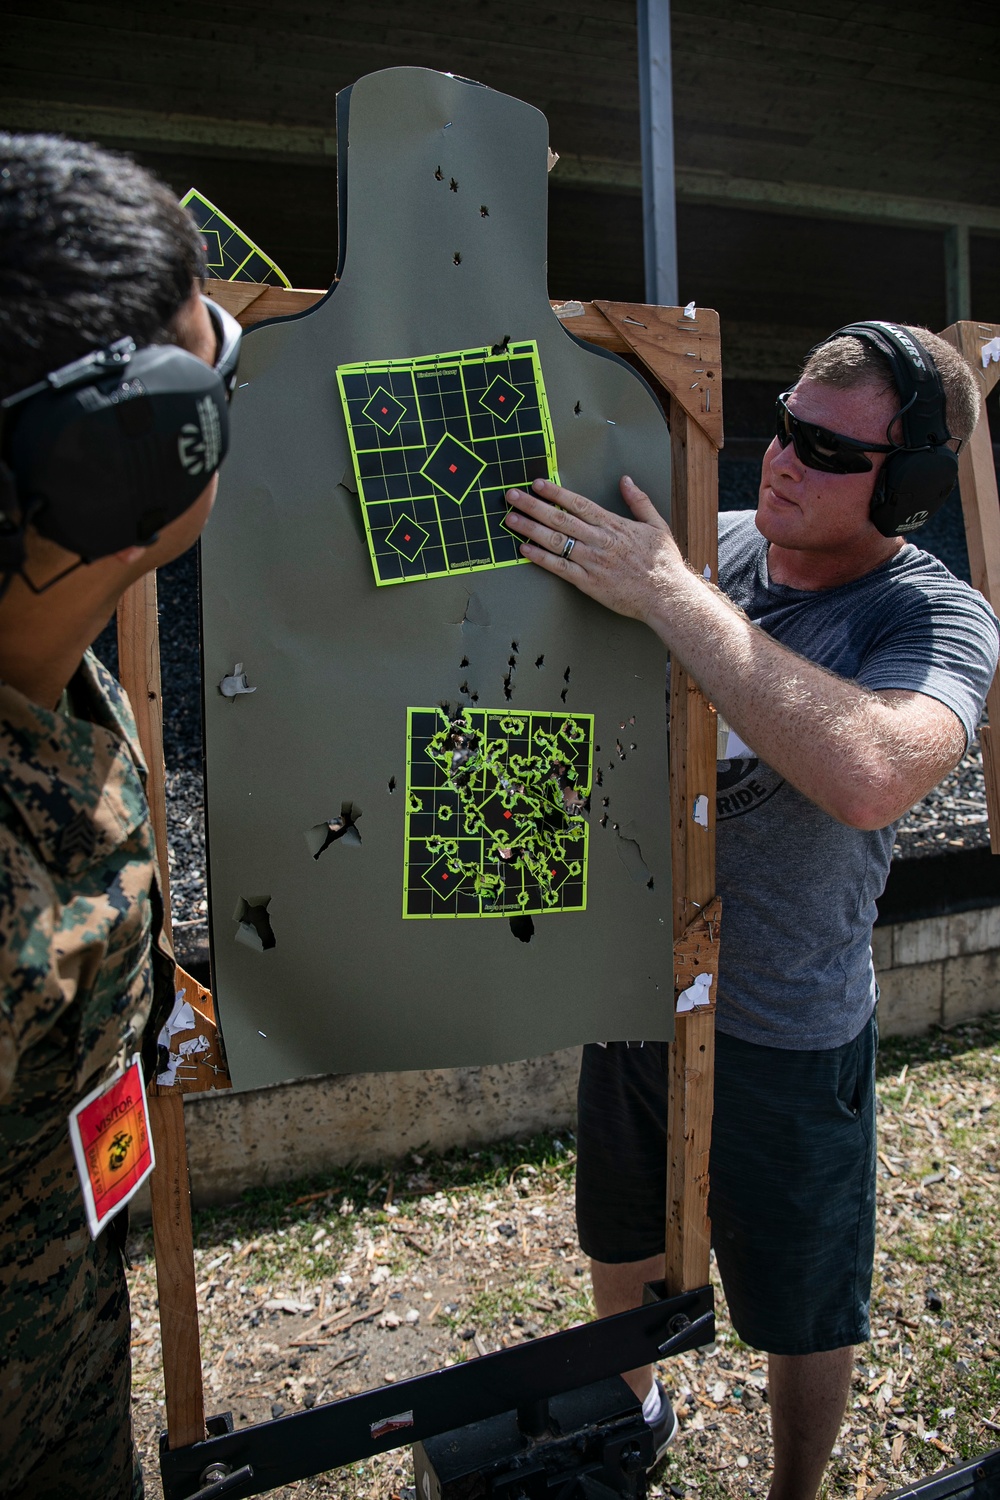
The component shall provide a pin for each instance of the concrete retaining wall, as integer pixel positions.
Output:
(237, 1141)
(934, 972)
(938, 971)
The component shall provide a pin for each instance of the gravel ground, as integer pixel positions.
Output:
(953, 816)
(178, 595)
(329, 1287)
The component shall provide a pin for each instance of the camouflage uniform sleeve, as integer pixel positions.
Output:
(33, 993)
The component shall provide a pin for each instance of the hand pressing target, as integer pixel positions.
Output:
(621, 562)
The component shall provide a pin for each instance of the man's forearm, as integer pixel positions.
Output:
(862, 758)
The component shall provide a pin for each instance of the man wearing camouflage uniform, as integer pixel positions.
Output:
(93, 250)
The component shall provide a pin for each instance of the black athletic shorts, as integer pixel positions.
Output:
(792, 1198)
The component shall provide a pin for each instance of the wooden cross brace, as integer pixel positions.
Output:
(977, 482)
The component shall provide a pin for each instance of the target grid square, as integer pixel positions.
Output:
(497, 807)
(437, 442)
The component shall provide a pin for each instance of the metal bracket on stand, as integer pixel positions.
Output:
(251, 1460)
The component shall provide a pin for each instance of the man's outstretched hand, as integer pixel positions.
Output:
(621, 562)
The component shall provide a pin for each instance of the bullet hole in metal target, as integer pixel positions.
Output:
(340, 829)
(523, 928)
(253, 924)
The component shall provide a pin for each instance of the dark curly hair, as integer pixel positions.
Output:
(92, 248)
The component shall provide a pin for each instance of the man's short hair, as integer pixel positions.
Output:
(92, 248)
(847, 362)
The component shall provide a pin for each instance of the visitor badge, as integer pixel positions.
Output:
(113, 1145)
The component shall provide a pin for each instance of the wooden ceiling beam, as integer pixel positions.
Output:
(817, 200)
(156, 130)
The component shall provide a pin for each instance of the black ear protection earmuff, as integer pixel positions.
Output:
(920, 472)
(107, 450)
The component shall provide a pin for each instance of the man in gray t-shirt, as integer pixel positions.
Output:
(853, 669)
(785, 866)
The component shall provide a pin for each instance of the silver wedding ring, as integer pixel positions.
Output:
(568, 546)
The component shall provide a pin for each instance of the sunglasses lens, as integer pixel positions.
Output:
(821, 448)
(817, 447)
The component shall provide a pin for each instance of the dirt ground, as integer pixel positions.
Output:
(319, 1290)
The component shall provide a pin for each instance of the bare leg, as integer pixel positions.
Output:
(808, 1394)
(616, 1289)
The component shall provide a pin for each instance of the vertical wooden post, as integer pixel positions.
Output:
(173, 1243)
(977, 482)
(683, 355)
(139, 670)
(978, 485)
(139, 673)
(694, 507)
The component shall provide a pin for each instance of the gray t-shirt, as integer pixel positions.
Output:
(799, 888)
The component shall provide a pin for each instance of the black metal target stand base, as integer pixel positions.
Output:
(547, 1418)
(591, 1444)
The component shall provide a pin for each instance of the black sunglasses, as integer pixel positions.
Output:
(819, 448)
